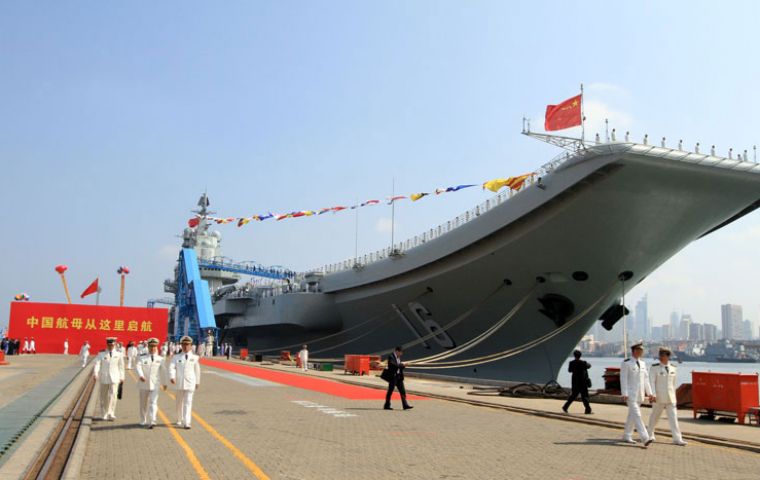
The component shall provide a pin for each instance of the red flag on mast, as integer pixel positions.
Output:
(93, 288)
(565, 115)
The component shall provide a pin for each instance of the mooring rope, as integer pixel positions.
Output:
(471, 362)
(476, 340)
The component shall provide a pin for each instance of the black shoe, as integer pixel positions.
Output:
(564, 409)
(387, 407)
(408, 407)
(187, 427)
(588, 412)
(150, 427)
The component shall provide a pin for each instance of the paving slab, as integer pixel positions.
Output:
(611, 413)
(286, 432)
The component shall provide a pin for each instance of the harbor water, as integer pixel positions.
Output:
(599, 364)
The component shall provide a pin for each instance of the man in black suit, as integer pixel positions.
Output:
(396, 379)
(580, 382)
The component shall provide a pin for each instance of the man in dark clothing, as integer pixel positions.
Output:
(580, 382)
(396, 373)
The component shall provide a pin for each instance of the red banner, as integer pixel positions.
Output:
(52, 323)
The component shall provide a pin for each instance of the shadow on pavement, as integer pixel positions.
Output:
(609, 442)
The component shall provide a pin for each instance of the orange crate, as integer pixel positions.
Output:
(356, 364)
(724, 392)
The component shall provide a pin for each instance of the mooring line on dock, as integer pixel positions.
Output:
(247, 462)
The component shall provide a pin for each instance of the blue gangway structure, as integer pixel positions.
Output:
(194, 313)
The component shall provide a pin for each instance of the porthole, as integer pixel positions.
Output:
(580, 276)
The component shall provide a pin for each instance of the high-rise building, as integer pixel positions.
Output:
(753, 330)
(731, 317)
(710, 332)
(641, 327)
(684, 327)
(656, 335)
(746, 330)
(667, 333)
(675, 324)
(696, 332)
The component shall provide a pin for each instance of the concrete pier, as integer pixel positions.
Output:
(248, 426)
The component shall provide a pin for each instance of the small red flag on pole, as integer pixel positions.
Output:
(564, 115)
(93, 288)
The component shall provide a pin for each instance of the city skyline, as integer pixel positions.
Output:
(733, 325)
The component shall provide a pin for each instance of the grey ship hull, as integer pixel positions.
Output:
(611, 209)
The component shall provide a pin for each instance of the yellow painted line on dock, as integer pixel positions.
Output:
(189, 453)
(249, 464)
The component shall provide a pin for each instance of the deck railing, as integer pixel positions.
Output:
(399, 248)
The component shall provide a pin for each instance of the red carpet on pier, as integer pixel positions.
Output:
(330, 387)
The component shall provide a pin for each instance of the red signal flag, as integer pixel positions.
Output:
(93, 288)
(565, 115)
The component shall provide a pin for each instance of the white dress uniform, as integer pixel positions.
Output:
(634, 384)
(131, 356)
(65, 347)
(84, 352)
(151, 368)
(109, 372)
(664, 380)
(185, 369)
(303, 355)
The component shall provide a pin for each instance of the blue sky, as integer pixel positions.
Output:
(117, 115)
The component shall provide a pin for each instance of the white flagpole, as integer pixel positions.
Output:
(583, 118)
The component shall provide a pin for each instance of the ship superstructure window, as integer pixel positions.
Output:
(580, 276)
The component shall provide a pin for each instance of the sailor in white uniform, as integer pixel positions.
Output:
(150, 369)
(84, 352)
(109, 373)
(634, 386)
(663, 376)
(131, 355)
(66, 347)
(303, 356)
(185, 375)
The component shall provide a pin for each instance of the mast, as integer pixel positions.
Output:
(393, 211)
(356, 234)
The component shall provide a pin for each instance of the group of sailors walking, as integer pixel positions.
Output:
(14, 346)
(635, 387)
(179, 370)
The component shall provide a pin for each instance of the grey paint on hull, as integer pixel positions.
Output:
(615, 208)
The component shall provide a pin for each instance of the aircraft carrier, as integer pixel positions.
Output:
(506, 290)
